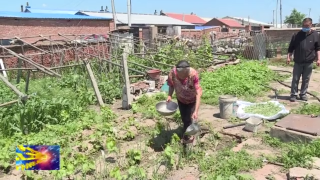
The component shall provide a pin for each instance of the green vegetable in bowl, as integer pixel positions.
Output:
(266, 109)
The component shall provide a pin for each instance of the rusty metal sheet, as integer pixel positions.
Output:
(300, 122)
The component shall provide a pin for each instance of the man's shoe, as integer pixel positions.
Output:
(304, 98)
(293, 98)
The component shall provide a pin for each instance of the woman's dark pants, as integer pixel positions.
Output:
(186, 111)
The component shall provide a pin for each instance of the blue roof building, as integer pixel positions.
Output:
(204, 27)
(22, 15)
(47, 11)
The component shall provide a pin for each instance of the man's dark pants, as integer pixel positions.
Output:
(303, 70)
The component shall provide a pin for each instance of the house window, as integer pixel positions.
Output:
(255, 28)
(224, 30)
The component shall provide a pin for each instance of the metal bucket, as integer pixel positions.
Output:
(192, 129)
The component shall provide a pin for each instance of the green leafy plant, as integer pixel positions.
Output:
(228, 163)
(134, 157)
(266, 109)
(244, 79)
(307, 109)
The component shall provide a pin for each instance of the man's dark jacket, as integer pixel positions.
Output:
(304, 46)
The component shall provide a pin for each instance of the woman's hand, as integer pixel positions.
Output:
(169, 99)
(195, 116)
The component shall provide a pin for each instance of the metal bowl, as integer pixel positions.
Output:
(192, 129)
(166, 108)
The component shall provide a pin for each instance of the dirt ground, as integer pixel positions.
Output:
(208, 117)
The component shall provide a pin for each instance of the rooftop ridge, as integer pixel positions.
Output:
(117, 13)
(181, 13)
(51, 9)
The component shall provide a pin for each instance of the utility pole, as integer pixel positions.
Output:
(309, 11)
(273, 18)
(277, 13)
(280, 14)
(114, 14)
(129, 12)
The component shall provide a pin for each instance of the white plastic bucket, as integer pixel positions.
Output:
(226, 106)
(253, 124)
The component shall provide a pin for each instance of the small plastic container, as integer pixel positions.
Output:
(253, 124)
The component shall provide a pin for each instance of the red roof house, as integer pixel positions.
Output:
(229, 24)
(190, 18)
(224, 22)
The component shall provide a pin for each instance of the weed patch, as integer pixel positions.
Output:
(308, 109)
(294, 154)
(227, 163)
(244, 79)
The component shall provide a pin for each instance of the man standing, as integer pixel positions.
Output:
(305, 46)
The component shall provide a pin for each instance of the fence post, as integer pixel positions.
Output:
(94, 82)
(126, 95)
(19, 71)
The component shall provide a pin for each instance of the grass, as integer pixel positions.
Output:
(133, 148)
(230, 80)
(308, 109)
(294, 154)
(283, 63)
(78, 154)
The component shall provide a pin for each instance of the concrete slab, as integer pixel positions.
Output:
(291, 136)
(298, 172)
(269, 170)
(301, 123)
(316, 163)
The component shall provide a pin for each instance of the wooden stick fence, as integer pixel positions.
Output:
(79, 50)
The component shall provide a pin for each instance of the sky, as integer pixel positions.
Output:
(261, 10)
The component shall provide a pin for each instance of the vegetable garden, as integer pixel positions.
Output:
(108, 143)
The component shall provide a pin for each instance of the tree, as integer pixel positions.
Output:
(295, 17)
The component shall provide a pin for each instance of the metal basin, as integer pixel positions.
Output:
(166, 108)
(192, 129)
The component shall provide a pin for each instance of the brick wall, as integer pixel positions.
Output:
(192, 33)
(248, 28)
(51, 60)
(10, 27)
(280, 34)
(235, 30)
